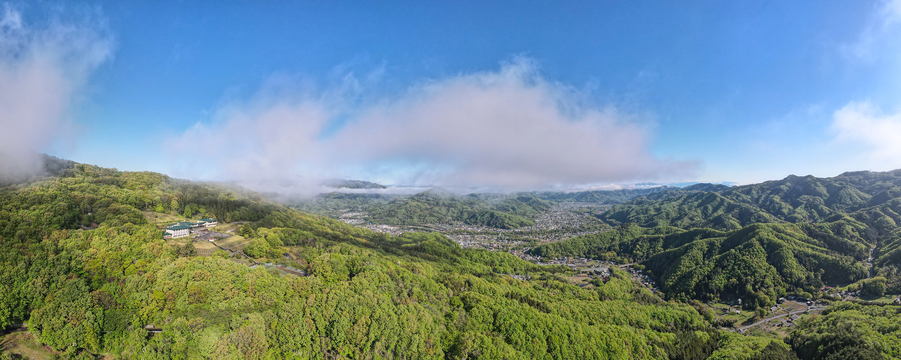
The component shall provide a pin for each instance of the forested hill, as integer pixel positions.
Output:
(352, 184)
(87, 268)
(48, 166)
(498, 211)
(606, 197)
(793, 199)
(756, 241)
(758, 263)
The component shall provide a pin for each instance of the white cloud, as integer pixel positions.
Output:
(12, 19)
(882, 27)
(891, 12)
(42, 70)
(509, 128)
(264, 143)
(863, 123)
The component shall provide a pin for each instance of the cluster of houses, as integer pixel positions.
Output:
(182, 229)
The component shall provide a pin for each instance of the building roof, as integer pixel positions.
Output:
(208, 220)
(178, 227)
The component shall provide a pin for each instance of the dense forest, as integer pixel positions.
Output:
(866, 196)
(87, 270)
(796, 236)
(800, 232)
(758, 263)
(89, 274)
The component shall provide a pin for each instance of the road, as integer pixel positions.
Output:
(815, 308)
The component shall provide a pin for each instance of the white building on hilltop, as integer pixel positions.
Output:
(183, 228)
(177, 231)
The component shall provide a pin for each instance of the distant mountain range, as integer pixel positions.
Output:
(793, 199)
(685, 184)
(758, 241)
(439, 206)
(352, 184)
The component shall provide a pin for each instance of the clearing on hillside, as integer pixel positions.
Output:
(235, 243)
(25, 345)
(161, 218)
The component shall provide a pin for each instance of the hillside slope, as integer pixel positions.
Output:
(793, 199)
(757, 263)
(91, 292)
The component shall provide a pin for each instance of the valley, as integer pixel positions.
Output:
(806, 237)
(450, 180)
(608, 265)
(558, 222)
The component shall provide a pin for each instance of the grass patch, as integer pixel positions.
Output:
(887, 299)
(793, 306)
(204, 245)
(241, 261)
(236, 242)
(182, 241)
(160, 219)
(225, 228)
(198, 243)
(739, 320)
(579, 279)
(25, 345)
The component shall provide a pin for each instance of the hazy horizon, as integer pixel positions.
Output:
(485, 96)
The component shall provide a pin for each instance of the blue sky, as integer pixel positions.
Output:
(566, 93)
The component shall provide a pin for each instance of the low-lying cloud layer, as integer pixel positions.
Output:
(510, 129)
(863, 123)
(41, 71)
